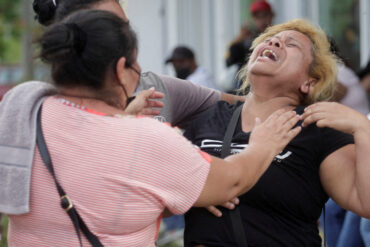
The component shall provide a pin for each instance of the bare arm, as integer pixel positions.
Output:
(345, 173)
(232, 99)
(238, 173)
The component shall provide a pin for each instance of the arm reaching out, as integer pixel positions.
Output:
(336, 116)
(145, 102)
(345, 173)
(238, 173)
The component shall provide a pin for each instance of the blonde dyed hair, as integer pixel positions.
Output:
(324, 63)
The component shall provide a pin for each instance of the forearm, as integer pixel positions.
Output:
(234, 176)
(362, 181)
(248, 173)
(238, 173)
(232, 99)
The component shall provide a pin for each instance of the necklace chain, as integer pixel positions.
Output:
(69, 103)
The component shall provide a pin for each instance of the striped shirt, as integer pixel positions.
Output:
(120, 173)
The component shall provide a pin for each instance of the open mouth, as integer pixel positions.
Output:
(269, 54)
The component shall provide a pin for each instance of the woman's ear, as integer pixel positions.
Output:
(308, 86)
(120, 70)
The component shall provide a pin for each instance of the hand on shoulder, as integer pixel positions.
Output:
(337, 116)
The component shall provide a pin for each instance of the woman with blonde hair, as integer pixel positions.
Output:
(291, 67)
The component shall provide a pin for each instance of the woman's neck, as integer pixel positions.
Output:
(90, 100)
(262, 107)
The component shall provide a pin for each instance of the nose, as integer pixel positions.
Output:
(275, 42)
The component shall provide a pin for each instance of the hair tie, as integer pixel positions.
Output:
(79, 37)
(55, 2)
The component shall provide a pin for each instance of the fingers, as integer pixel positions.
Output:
(282, 119)
(155, 103)
(290, 120)
(235, 200)
(145, 94)
(317, 113)
(215, 211)
(310, 117)
(157, 95)
(229, 205)
(150, 94)
(149, 112)
(294, 132)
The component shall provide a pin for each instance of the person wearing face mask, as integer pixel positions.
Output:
(186, 67)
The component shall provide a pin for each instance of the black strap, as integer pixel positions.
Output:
(324, 214)
(65, 201)
(235, 216)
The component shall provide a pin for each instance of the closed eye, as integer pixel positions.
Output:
(292, 45)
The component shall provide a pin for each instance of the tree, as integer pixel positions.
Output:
(10, 30)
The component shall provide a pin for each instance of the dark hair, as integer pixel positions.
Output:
(334, 48)
(85, 47)
(364, 71)
(47, 12)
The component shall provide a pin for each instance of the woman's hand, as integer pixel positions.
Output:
(336, 116)
(345, 172)
(146, 103)
(229, 205)
(241, 171)
(275, 132)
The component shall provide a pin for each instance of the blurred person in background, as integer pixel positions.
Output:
(364, 75)
(349, 91)
(239, 50)
(186, 67)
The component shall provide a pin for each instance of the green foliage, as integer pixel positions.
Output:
(10, 30)
(4, 226)
(171, 245)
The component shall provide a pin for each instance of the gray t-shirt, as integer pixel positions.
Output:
(183, 100)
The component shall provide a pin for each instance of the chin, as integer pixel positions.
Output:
(259, 71)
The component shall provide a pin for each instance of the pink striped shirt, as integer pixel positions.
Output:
(120, 173)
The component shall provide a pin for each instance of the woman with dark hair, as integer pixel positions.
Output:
(182, 99)
(120, 172)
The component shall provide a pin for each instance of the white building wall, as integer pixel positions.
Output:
(365, 31)
(206, 26)
(146, 19)
(286, 10)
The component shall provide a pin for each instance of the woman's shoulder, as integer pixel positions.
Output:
(221, 110)
(214, 118)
